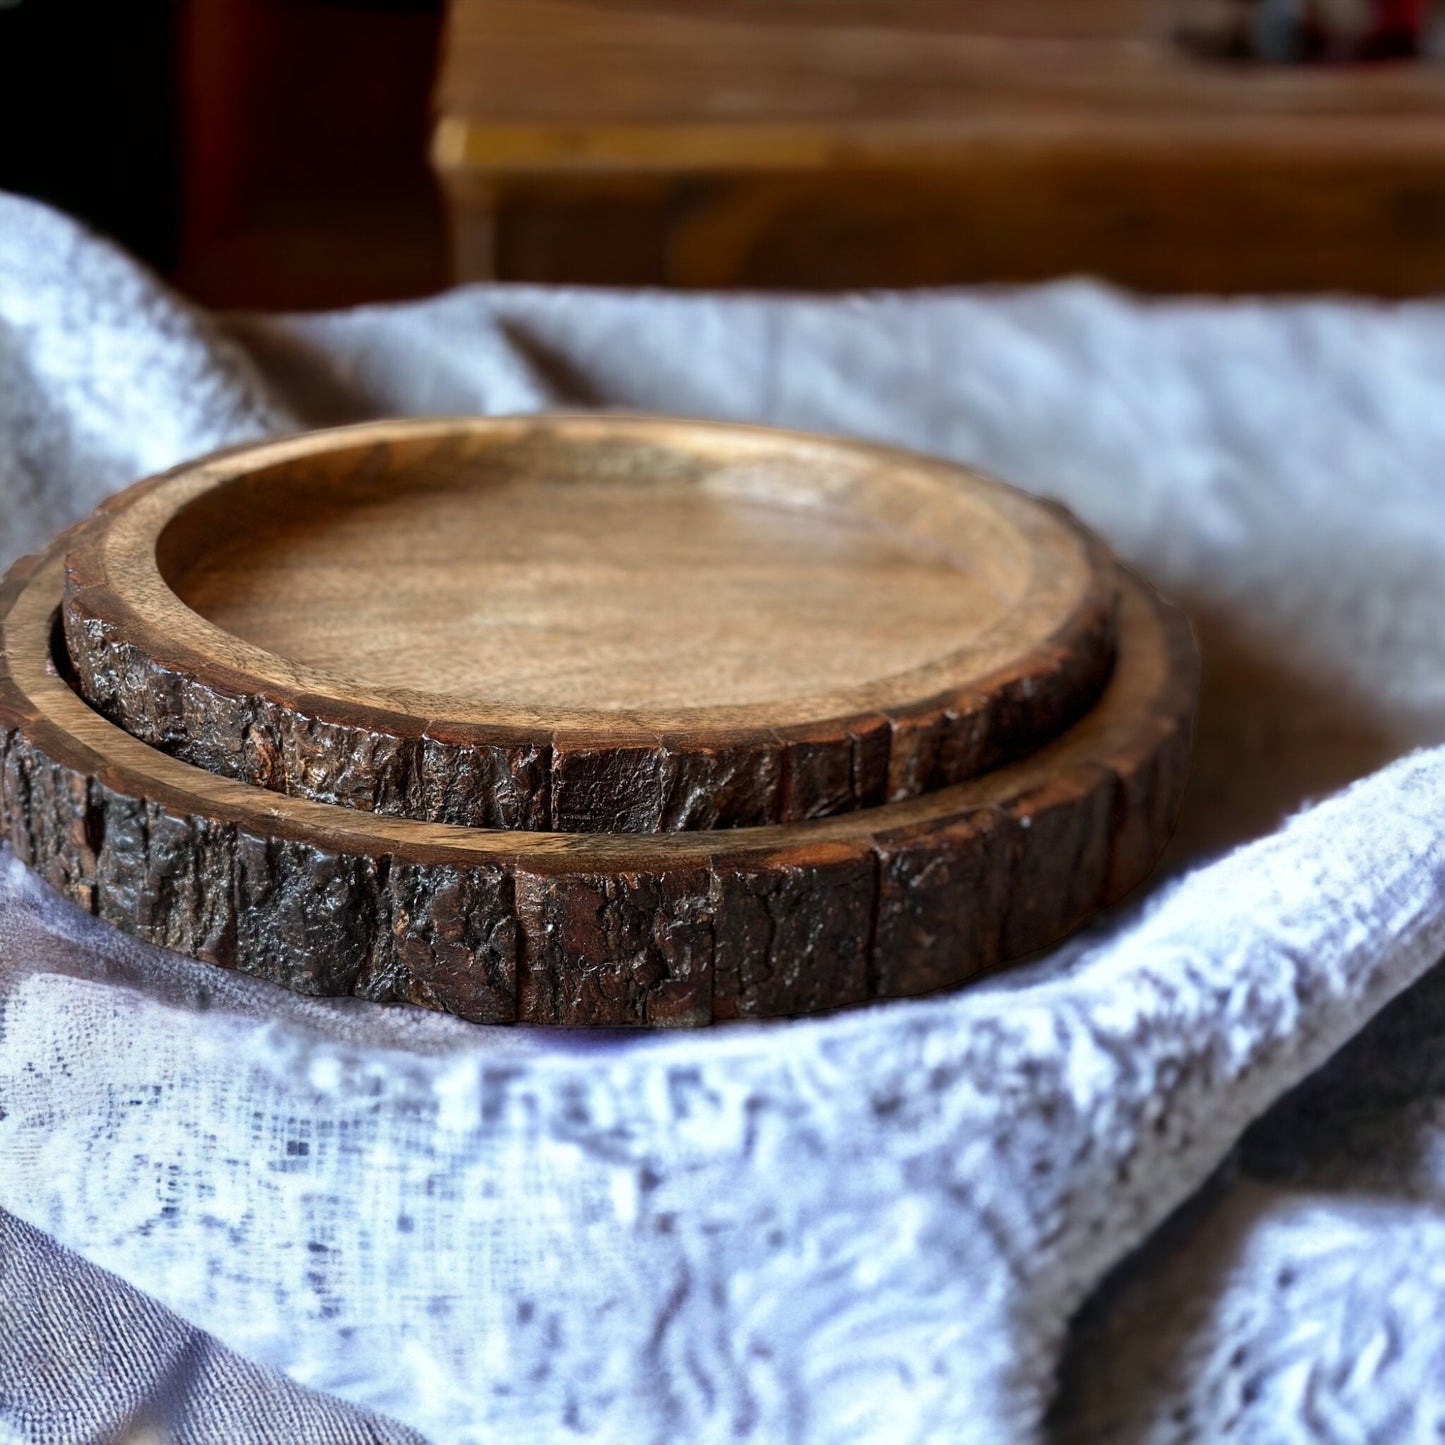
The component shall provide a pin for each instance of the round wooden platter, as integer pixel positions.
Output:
(606, 929)
(590, 623)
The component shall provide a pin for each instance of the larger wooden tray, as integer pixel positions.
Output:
(588, 623)
(666, 929)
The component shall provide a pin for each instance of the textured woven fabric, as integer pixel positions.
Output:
(877, 1225)
(85, 1357)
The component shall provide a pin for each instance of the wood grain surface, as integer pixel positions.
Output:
(588, 623)
(860, 143)
(1087, 70)
(597, 929)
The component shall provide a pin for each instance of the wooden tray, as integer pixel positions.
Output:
(595, 623)
(665, 929)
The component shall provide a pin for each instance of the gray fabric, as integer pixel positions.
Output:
(1302, 1296)
(875, 1226)
(85, 1357)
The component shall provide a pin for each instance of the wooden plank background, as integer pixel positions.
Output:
(840, 142)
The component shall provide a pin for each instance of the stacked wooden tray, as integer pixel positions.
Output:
(589, 720)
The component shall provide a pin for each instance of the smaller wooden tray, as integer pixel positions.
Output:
(595, 623)
(668, 929)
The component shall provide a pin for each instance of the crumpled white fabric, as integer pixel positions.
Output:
(877, 1225)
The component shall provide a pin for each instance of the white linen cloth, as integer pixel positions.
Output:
(877, 1225)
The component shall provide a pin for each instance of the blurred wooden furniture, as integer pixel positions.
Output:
(832, 143)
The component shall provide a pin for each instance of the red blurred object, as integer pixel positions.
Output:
(1294, 31)
(1363, 29)
(305, 129)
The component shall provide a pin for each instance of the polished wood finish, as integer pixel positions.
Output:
(588, 623)
(871, 142)
(599, 929)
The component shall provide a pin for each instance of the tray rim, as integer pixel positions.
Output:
(1117, 778)
(118, 599)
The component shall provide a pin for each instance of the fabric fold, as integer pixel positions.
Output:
(876, 1225)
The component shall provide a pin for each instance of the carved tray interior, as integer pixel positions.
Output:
(588, 623)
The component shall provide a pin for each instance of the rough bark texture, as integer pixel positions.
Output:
(891, 914)
(491, 777)
(900, 900)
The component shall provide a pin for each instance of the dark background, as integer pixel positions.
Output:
(258, 152)
(311, 154)
(106, 143)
